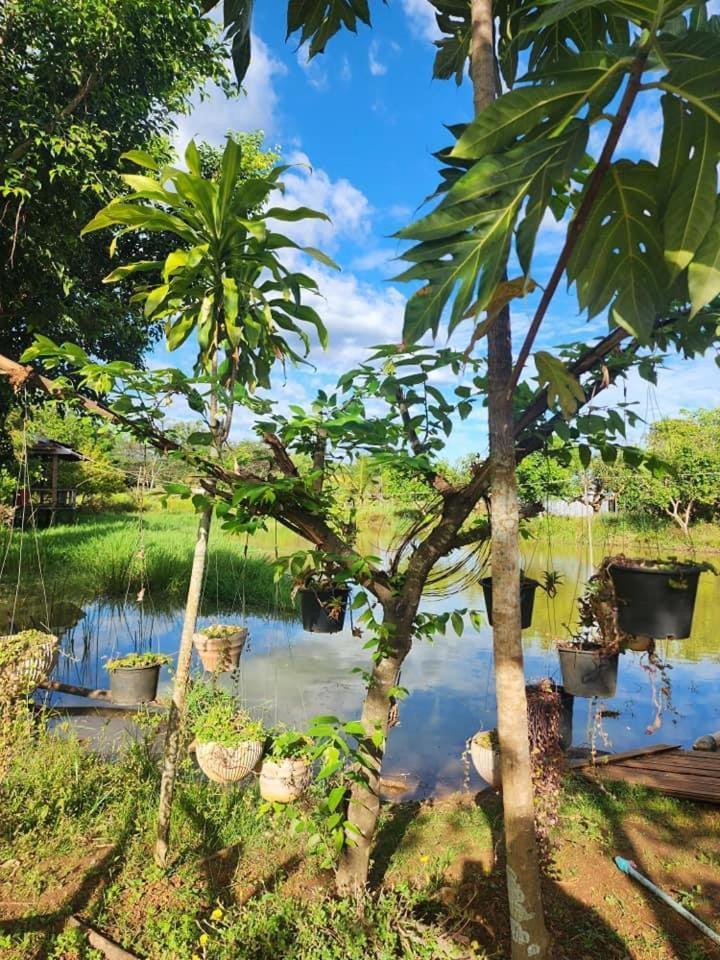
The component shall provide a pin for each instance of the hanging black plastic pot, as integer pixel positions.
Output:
(588, 671)
(134, 684)
(323, 611)
(527, 599)
(656, 601)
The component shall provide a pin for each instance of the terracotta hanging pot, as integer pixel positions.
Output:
(219, 654)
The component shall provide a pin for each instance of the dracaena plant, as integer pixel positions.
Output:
(226, 281)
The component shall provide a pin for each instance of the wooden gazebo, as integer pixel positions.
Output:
(49, 502)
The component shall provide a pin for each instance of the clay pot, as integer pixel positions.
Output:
(486, 757)
(282, 781)
(223, 764)
(218, 654)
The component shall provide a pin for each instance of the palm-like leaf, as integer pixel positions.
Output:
(226, 281)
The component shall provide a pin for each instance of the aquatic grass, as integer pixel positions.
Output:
(114, 556)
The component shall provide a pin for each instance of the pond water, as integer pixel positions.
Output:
(289, 675)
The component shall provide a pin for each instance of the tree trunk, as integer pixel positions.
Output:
(527, 924)
(182, 676)
(364, 805)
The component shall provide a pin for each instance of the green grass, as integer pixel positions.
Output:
(80, 830)
(113, 556)
(625, 533)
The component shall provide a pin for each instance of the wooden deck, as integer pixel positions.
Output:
(678, 773)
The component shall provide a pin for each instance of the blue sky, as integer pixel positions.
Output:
(363, 121)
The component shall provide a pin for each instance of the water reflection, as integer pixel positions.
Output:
(290, 675)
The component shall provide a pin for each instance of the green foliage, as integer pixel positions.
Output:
(86, 79)
(543, 476)
(215, 716)
(17, 646)
(647, 236)
(224, 282)
(289, 744)
(134, 661)
(218, 631)
(683, 479)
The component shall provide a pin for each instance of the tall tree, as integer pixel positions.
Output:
(82, 82)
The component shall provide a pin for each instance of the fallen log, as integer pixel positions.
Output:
(711, 741)
(110, 950)
(56, 686)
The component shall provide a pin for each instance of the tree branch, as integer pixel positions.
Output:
(70, 107)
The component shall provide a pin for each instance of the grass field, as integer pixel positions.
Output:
(76, 838)
(111, 555)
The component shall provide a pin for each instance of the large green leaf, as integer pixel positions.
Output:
(618, 260)
(465, 242)
(687, 177)
(694, 73)
(590, 77)
(704, 271)
(318, 20)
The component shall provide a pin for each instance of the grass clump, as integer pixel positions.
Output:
(114, 556)
(215, 717)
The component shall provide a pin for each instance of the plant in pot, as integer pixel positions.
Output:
(219, 646)
(228, 741)
(26, 659)
(319, 585)
(655, 598)
(546, 705)
(589, 660)
(134, 677)
(528, 586)
(286, 768)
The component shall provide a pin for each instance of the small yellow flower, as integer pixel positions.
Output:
(217, 914)
(424, 858)
(196, 956)
(474, 944)
(203, 939)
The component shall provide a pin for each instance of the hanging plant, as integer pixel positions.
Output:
(219, 646)
(134, 678)
(320, 585)
(228, 741)
(287, 766)
(26, 659)
(655, 598)
(528, 586)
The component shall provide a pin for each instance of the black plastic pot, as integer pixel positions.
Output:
(656, 601)
(323, 611)
(527, 599)
(567, 702)
(588, 672)
(134, 684)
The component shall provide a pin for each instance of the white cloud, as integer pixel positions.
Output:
(642, 134)
(422, 18)
(255, 109)
(376, 66)
(348, 208)
(374, 260)
(315, 74)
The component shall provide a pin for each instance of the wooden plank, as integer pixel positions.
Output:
(618, 757)
(686, 769)
(674, 785)
(678, 759)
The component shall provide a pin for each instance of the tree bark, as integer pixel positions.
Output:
(364, 804)
(527, 924)
(182, 676)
